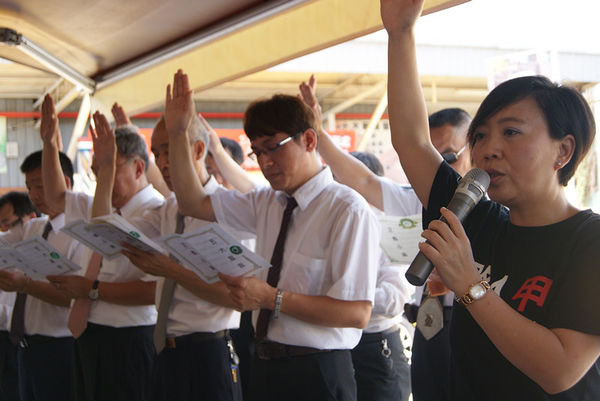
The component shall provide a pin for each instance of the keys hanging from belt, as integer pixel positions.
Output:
(430, 318)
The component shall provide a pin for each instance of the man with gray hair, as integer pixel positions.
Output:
(113, 351)
(193, 316)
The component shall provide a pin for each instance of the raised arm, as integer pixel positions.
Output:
(153, 173)
(406, 104)
(53, 178)
(346, 169)
(121, 118)
(229, 169)
(179, 111)
(105, 154)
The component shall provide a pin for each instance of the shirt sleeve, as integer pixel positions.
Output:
(354, 255)
(236, 211)
(78, 205)
(14, 235)
(399, 200)
(392, 291)
(577, 302)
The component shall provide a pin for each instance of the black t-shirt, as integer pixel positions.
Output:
(550, 274)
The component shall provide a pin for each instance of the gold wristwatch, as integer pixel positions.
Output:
(475, 292)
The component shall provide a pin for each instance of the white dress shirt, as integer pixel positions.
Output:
(187, 313)
(401, 200)
(42, 317)
(332, 249)
(79, 206)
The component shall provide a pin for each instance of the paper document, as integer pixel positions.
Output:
(36, 258)
(210, 250)
(400, 237)
(104, 235)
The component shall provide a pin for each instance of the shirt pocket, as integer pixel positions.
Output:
(306, 275)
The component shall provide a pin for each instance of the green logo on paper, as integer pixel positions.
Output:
(236, 250)
(407, 223)
(54, 255)
(134, 234)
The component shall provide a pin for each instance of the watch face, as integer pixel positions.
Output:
(477, 291)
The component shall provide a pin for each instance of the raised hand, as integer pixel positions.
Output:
(308, 95)
(213, 139)
(399, 16)
(179, 105)
(121, 118)
(49, 130)
(103, 139)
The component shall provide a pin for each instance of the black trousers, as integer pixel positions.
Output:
(381, 369)
(197, 370)
(45, 368)
(430, 364)
(326, 376)
(243, 340)
(9, 377)
(113, 364)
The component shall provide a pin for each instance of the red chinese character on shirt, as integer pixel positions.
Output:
(534, 289)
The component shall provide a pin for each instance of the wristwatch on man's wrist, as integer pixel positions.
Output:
(93, 294)
(475, 292)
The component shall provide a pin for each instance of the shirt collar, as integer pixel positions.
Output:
(57, 223)
(310, 189)
(137, 200)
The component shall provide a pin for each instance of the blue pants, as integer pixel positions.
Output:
(326, 376)
(380, 367)
(45, 368)
(9, 377)
(196, 371)
(113, 364)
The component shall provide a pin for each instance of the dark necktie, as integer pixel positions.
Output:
(166, 296)
(273, 278)
(17, 321)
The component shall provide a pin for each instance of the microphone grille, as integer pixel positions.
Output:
(478, 175)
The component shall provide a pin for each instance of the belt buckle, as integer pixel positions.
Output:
(170, 342)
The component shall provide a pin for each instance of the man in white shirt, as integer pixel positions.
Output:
(322, 240)
(448, 129)
(15, 209)
(195, 358)
(39, 316)
(114, 355)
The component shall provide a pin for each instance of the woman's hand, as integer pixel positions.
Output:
(449, 249)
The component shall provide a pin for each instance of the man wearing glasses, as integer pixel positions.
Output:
(321, 238)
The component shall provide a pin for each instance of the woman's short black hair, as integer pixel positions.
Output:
(566, 113)
(280, 113)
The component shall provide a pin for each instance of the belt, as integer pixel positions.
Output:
(182, 341)
(392, 329)
(37, 339)
(271, 350)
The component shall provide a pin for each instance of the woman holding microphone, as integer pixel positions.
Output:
(525, 267)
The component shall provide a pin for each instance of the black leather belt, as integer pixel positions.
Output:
(182, 341)
(271, 350)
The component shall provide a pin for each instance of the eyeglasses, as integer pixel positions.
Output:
(269, 150)
(452, 157)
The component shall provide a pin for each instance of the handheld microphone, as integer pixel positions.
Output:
(469, 192)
